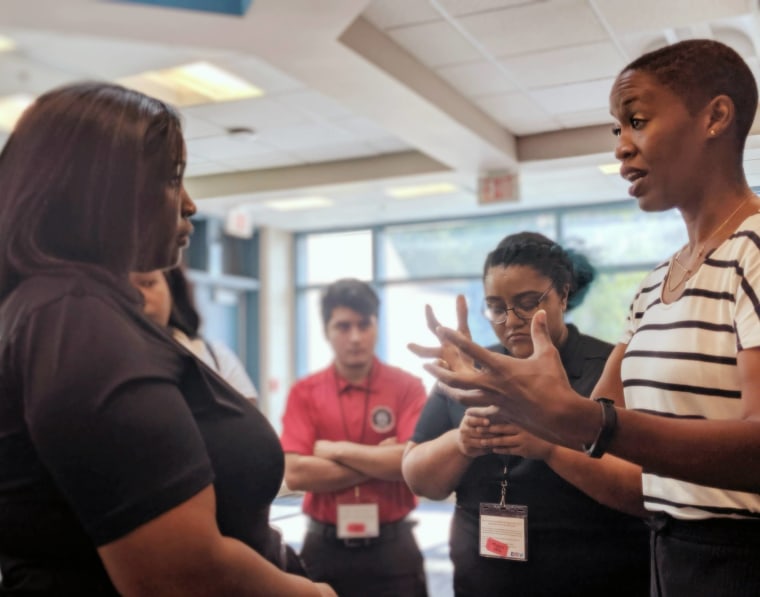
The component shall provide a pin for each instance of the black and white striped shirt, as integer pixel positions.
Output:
(681, 361)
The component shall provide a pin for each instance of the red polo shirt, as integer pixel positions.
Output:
(326, 406)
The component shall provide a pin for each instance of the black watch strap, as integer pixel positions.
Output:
(606, 431)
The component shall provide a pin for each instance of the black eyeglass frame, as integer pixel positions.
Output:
(516, 310)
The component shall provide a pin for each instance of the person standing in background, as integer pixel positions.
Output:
(169, 303)
(571, 545)
(344, 430)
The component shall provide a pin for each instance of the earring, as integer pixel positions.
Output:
(712, 132)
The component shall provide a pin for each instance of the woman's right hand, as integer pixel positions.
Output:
(529, 391)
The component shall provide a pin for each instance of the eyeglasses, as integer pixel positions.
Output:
(524, 309)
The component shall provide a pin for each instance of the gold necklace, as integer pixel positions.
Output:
(687, 271)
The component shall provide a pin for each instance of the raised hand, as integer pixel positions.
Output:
(526, 390)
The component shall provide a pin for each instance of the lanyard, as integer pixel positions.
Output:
(504, 483)
(343, 412)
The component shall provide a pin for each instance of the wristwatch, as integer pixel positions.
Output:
(606, 431)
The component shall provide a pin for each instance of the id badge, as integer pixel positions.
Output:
(504, 532)
(358, 521)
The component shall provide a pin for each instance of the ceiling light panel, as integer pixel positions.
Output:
(299, 203)
(192, 84)
(422, 190)
(11, 108)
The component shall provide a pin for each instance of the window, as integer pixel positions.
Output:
(411, 265)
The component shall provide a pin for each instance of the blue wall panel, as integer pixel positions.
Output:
(231, 7)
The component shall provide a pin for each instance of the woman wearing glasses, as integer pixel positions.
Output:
(518, 527)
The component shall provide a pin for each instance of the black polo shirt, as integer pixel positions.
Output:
(106, 423)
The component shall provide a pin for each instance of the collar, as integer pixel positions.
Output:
(343, 385)
(572, 357)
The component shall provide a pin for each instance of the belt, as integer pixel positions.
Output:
(388, 531)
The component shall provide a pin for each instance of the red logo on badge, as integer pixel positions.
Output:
(497, 547)
(356, 527)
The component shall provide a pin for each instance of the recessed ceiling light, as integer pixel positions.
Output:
(11, 108)
(610, 168)
(422, 190)
(192, 84)
(7, 44)
(298, 203)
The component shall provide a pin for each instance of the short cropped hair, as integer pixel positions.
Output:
(697, 70)
(78, 175)
(352, 293)
(564, 267)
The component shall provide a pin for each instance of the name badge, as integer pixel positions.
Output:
(358, 521)
(503, 532)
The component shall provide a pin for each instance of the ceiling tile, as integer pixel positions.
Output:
(315, 105)
(624, 16)
(385, 14)
(579, 63)
(309, 136)
(259, 114)
(576, 97)
(274, 159)
(257, 72)
(476, 79)
(341, 151)
(467, 7)
(436, 44)
(518, 113)
(200, 167)
(585, 118)
(227, 147)
(517, 31)
(389, 145)
(197, 128)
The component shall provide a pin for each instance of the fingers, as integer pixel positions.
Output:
(467, 346)
(426, 352)
(462, 324)
(539, 333)
(482, 411)
(432, 320)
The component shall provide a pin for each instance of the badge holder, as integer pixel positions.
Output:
(504, 528)
(358, 520)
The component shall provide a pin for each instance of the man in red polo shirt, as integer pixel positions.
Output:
(344, 431)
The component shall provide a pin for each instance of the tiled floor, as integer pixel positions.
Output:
(432, 532)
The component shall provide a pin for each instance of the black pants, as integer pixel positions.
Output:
(390, 565)
(705, 558)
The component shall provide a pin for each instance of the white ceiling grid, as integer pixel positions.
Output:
(382, 92)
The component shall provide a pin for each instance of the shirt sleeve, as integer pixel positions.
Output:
(747, 314)
(411, 406)
(298, 427)
(232, 371)
(106, 417)
(434, 420)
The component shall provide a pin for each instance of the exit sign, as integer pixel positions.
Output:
(496, 188)
(230, 7)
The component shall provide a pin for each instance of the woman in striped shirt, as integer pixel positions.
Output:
(677, 409)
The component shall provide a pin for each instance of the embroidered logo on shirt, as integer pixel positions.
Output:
(382, 419)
